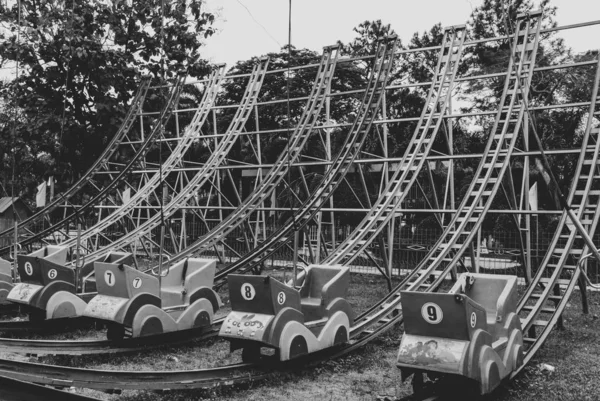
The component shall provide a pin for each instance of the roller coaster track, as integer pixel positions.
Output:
(14, 390)
(545, 297)
(302, 132)
(463, 227)
(379, 315)
(217, 157)
(141, 152)
(96, 347)
(277, 173)
(336, 172)
(415, 156)
(476, 202)
(190, 135)
(185, 379)
(99, 165)
(210, 377)
(562, 258)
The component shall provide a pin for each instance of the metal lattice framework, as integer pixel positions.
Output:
(152, 185)
(339, 168)
(549, 293)
(115, 179)
(554, 279)
(205, 173)
(275, 176)
(102, 164)
(496, 157)
(461, 230)
(413, 160)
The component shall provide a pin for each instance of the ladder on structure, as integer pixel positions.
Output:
(557, 275)
(278, 172)
(203, 175)
(415, 156)
(336, 172)
(463, 227)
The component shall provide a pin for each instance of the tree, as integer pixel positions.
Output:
(79, 64)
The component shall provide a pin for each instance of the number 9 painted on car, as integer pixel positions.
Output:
(432, 313)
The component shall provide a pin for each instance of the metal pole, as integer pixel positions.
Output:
(584, 234)
(295, 261)
(525, 205)
(13, 271)
(160, 255)
(78, 257)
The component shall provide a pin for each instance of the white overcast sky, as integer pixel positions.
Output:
(249, 28)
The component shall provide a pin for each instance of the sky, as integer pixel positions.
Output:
(248, 28)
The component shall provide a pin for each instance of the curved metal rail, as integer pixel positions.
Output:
(96, 347)
(11, 389)
(302, 132)
(99, 165)
(545, 297)
(186, 379)
(379, 78)
(189, 136)
(277, 173)
(335, 173)
(157, 129)
(463, 227)
(415, 156)
(204, 174)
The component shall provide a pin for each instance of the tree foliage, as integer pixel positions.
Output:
(79, 64)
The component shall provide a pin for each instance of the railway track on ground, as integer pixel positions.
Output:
(17, 390)
(97, 347)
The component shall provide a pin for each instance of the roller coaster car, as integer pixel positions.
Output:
(268, 313)
(43, 274)
(6, 282)
(135, 304)
(473, 331)
(48, 286)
